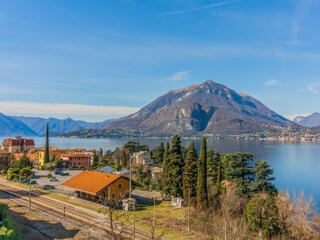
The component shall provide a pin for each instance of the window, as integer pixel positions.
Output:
(120, 186)
(113, 195)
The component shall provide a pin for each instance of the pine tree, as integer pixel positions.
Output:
(124, 159)
(164, 176)
(46, 153)
(190, 173)
(175, 168)
(202, 190)
(263, 177)
(237, 169)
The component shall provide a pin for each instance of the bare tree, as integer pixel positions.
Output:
(118, 229)
(149, 220)
(298, 216)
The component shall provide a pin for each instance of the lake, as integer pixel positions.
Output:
(296, 164)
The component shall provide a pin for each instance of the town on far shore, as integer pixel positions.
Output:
(135, 192)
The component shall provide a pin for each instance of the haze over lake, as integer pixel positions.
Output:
(296, 164)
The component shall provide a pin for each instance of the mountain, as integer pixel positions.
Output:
(90, 125)
(10, 126)
(57, 126)
(208, 108)
(310, 121)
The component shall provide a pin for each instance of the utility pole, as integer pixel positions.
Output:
(225, 229)
(130, 183)
(134, 222)
(64, 214)
(154, 212)
(154, 217)
(29, 196)
(189, 213)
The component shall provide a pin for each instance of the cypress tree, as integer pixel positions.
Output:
(210, 162)
(175, 168)
(202, 190)
(46, 152)
(161, 152)
(95, 160)
(190, 173)
(219, 177)
(164, 176)
(124, 159)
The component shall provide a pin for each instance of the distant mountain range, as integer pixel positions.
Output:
(207, 108)
(11, 126)
(35, 126)
(310, 121)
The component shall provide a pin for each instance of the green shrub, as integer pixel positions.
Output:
(7, 230)
(262, 213)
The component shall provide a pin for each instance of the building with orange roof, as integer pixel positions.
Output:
(54, 154)
(98, 186)
(78, 157)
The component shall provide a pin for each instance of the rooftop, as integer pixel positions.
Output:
(91, 182)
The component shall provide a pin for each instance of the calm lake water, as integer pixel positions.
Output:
(296, 164)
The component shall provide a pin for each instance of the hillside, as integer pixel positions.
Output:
(58, 126)
(10, 126)
(310, 121)
(207, 108)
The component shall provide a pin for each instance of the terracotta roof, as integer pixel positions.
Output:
(80, 156)
(33, 156)
(4, 152)
(91, 182)
(17, 141)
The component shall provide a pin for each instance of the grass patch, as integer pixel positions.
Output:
(7, 231)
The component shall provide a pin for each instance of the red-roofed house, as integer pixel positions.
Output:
(17, 144)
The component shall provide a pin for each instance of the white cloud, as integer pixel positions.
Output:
(272, 83)
(213, 5)
(76, 111)
(313, 87)
(179, 76)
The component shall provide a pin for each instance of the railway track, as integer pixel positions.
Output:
(66, 212)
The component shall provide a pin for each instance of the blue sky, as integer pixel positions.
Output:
(93, 60)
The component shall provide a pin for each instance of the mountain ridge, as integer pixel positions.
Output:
(311, 121)
(207, 108)
(36, 126)
(10, 126)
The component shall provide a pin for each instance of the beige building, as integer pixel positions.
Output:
(141, 158)
(156, 172)
(17, 144)
(78, 157)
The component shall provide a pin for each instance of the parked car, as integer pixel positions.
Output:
(64, 174)
(25, 181)
(48, 187)
(57, 172)
(53, 179)
(32, 182)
